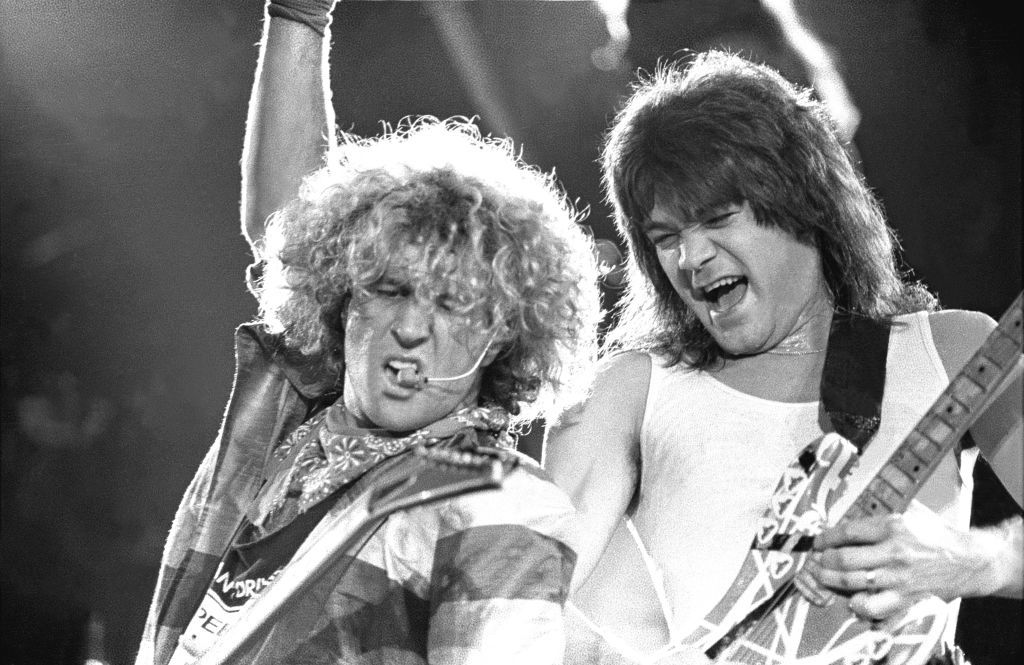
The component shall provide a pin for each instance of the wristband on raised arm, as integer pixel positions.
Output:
(314, 13)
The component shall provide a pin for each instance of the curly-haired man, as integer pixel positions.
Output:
(425, 288)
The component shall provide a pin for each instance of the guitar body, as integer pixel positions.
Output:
(793, 630)
(805, 634)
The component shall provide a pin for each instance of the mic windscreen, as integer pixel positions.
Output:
(609, 262)
(408, 378)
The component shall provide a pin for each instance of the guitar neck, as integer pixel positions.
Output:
(944, 424)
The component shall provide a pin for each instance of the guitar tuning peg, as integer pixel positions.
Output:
(454, 457)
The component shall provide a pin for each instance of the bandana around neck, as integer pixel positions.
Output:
(325, 453)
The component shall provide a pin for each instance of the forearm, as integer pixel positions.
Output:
(594, 455)
(600, 487)
(998, 433)
(290, 122)
(999, 551)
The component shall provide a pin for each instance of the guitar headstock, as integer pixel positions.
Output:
(434, 474)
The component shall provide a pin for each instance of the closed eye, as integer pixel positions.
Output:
(664, 241)
(718, 221)
(391, 290)
(447, 302)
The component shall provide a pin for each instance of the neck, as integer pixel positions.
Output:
(810, 334)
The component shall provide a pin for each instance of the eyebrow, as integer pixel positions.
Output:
(707, 212)
(652, 224)
(394, 280)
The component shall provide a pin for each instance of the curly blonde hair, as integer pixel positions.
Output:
(469, 219)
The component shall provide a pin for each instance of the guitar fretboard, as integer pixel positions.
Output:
(948, 419)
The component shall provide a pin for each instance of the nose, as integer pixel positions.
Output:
(695, 250)
(413, 323)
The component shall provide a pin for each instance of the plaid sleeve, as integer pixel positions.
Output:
(262, 406)
(500, 575)
(160, 633)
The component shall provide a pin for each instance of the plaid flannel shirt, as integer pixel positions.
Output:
(477, 579)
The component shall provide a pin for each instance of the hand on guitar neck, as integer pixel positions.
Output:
(886, 564)
(888, 561)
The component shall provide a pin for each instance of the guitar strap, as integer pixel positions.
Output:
(853, 380)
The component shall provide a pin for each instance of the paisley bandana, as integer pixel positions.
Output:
(324, 454)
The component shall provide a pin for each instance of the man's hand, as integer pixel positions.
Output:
(886, 564)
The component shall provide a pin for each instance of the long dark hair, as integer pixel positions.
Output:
(723, 130)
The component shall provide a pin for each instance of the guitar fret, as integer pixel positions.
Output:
(856, 511)
(873, 502)
(910, 464)
(950, 408)
(982, 372)
(937, 430)
(863, 503)
(889, 496)
(922, 446)
(1003, 351)
(965, 390)
(896, 479)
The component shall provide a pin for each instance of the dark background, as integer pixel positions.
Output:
(121, 126)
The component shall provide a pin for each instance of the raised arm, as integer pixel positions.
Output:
(290, 123)
(594, 455)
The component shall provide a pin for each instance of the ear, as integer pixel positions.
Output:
(496, 346)
(343, 308)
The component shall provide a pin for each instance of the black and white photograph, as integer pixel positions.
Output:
(525, 332)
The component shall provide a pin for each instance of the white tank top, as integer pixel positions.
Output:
(711, 457)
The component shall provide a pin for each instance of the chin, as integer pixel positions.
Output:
(407, 422)
(399, 424)
(734, 347)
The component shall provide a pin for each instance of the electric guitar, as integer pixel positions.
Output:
(764, 620)
(424, 476)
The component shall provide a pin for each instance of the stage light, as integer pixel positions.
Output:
(610, 56)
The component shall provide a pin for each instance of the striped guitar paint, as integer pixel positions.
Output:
(424, 476)
(764, 620)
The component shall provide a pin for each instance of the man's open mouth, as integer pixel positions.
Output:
(403, 372)
(724, 293)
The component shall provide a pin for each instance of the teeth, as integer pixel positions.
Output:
(725, 281)
(399, 365)
(719, 283)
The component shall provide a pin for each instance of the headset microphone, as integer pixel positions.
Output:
(409, 377)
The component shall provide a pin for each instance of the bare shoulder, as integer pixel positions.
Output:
(621, 386)
(611, 416)
(957, 334)
(630, 369)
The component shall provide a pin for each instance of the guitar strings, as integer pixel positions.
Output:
(760, 630)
